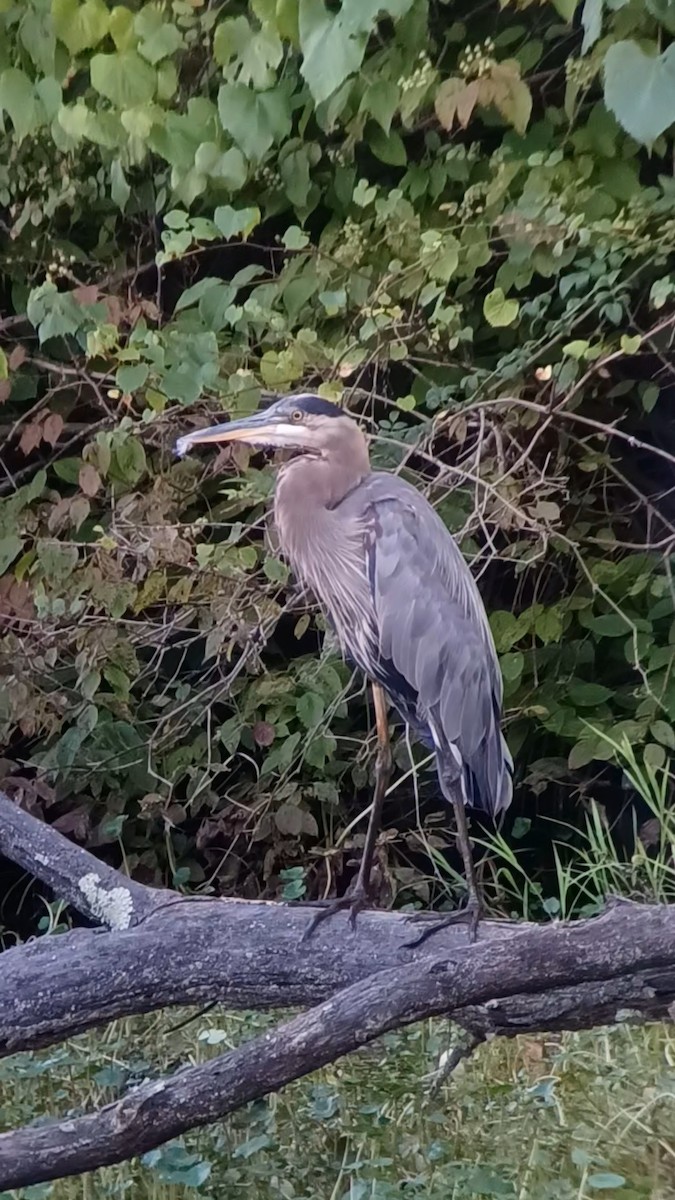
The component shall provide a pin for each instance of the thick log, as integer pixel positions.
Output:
(246, 955)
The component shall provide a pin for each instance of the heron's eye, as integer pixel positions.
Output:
(297, 415)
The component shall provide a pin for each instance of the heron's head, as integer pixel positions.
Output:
(304, 423)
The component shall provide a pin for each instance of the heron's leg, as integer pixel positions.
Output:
(358, 896)
(475, 908)
(383, 765)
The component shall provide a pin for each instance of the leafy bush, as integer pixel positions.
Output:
(461, 219)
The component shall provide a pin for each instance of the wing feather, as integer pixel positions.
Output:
(434, 634)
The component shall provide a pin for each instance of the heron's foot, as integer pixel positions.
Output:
(354, 903)
(472, 913)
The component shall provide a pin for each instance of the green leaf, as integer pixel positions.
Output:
(605, 1179)
(591, 19)
(331, 52)
(498, 310)
(80, 26)
(310, 709)
(587, 695)
(128, 462)
(254, 120)
(650, 395)
(131, 377)
(236, 222)
(126, 79)
(4, 365)
(17, 99)
(388, 147)
(640, 89)
(295, 238)
(566, 8)
(610, 625)
(506, 630)
(512, 665)
(581, 754)
(256, 53)
(294, 170)
(664, 11)
(119, 188)
(10, 547)
(163, 41)
(630, 345)
(228, 166)
(655, 756)
(548, 626)
(664, 733)
(513, 99)
(577, 349)
(381, 100)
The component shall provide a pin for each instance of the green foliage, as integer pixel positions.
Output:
(445, 212)
(551, 1117)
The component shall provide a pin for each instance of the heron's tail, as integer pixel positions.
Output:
(485, 781)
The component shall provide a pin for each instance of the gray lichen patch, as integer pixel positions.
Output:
(113, 907)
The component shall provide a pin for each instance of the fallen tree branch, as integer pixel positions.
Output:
(72, 873)
(163, 949)
(633, 942)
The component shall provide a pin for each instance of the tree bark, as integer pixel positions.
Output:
(164, 950)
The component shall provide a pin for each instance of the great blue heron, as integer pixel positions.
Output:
(399, 595)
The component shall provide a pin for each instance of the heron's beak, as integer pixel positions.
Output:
(260, 429)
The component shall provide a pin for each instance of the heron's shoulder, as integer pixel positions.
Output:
(382, 489)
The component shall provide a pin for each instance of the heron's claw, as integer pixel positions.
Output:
(473, 913)
(355, 902)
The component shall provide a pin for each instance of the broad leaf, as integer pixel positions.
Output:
(498, 310)
(640, 89)
(254, 120)
(80, 26)
(17, 99)
(331, 50)
(126, 79)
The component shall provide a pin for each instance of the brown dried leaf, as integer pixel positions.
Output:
(79, 511)
(288, 820)
(466, 102)
(5, 390)
(52, 428)
(447, 100)
(114, 309)
(31, 437)
(17, 357)
(59, 513)
(263, 733)
(88, 293)
(89, 480)
(76, 823)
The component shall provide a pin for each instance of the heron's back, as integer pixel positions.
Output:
(435, 654)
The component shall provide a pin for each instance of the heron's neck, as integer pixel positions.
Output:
(307, 484)
(307, 491)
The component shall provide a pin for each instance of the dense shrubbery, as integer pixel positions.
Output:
(459, 218)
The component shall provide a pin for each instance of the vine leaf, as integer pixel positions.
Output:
(640, 89)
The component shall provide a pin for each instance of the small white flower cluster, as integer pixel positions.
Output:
(58, 268)
(421, 76)
(477, 60)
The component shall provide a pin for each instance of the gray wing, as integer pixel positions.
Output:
(434, 635)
